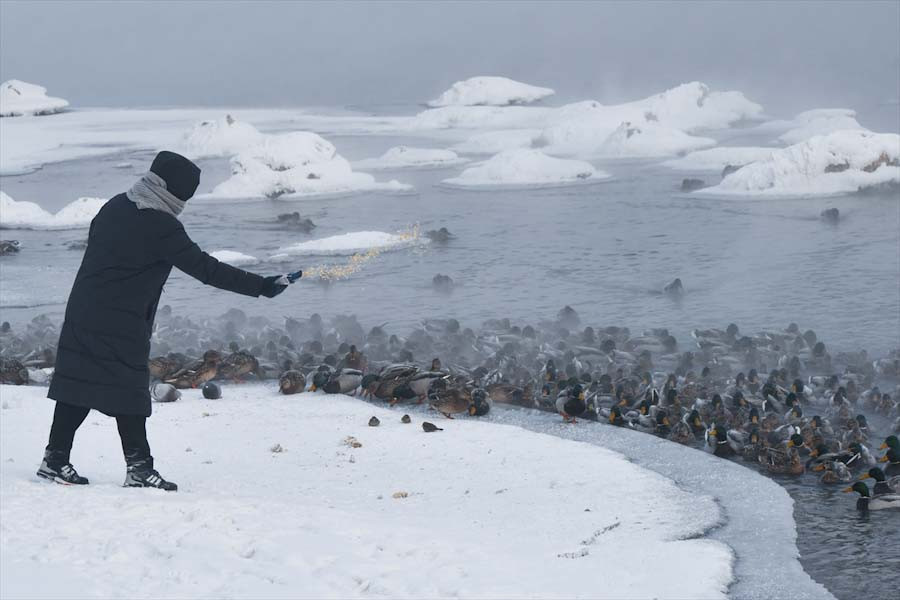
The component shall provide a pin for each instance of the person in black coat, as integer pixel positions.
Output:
(104, 345)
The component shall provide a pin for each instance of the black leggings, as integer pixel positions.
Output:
(68, 418)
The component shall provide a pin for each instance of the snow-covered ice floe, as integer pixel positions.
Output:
(302, 498)
(222, 137)
(346, 244)
(234, 258)
(490, 91)
(526, 167)
(18, 98)
(660, 124)
(716, 159)
(819, 121)
(838, 163)
(403, 157)
(29, 215)
(492, 142)
(295, 164)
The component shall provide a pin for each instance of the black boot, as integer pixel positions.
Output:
(140, 473)
(57, 468)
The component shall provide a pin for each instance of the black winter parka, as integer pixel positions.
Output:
(104, 344)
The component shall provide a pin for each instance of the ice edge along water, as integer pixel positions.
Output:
(289, 506)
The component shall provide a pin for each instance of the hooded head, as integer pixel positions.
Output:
(182, 177)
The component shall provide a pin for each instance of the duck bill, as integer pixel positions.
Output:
(819, 468)
(849, 489)
(312, 388)
(882, 446)
(883, 458)
(866, 476)
(472, 411)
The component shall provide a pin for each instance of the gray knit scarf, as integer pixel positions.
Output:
(150, 192)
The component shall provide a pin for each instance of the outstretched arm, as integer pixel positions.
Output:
(179, 250)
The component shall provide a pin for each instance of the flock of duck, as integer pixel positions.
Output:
(776, 398)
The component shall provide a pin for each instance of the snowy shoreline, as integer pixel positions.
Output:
(472, 516)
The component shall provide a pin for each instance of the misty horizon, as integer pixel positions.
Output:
(784, 56)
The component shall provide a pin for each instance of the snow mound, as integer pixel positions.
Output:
(525, 167)
(648, 140)
(400, 157)
(838, 163)
(29, 215)
(235, 259)
(481, 117)
(490, 91)
(492, 142)
(18, 98)
(820, 121)
(488, 511)
(716, 159)
(664, 120)
(223, 137)
(346, 244)
(296, 164)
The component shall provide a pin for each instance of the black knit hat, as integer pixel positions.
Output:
(181, 175)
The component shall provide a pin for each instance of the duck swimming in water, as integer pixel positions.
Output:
(866, 503)
(882, 485)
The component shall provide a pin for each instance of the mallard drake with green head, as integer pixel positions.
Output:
(344, 381)
(882, 484)
(866, 502)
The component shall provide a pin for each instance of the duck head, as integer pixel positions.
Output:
(873, 473)
(860, 488)
(890, 441)
(795, 441)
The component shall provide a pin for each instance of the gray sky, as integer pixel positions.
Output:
(788, 55)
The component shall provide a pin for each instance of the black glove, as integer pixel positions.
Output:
(270, 288)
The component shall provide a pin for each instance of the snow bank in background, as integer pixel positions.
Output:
(524, 167)
(841, 162)
(224, 137)
(233, 258)
(481, 117)
(584, 128)
(821, 121)
(18, 98)
(28, 215)
(492, 142)
(299, 163)
(490, 91)
(400, 157)
(477, 510)
(647, 140)
(716, 159)
(346, 244)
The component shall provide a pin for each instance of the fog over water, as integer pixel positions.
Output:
(789, 56)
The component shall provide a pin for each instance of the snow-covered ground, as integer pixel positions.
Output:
(716, 159)
(275, 501)
(525, 167)
(15, 214)
(490, 91)
(18, 98)
(346, 244)
(405, 157)
(837, 163)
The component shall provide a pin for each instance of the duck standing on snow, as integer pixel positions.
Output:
(104, 345)
(449, 399)
(291, 382)
(570, 403)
